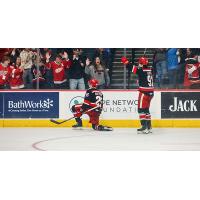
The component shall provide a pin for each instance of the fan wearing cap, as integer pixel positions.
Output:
(93, 99)
(146, 89)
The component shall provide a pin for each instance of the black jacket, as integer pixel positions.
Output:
(76, 71)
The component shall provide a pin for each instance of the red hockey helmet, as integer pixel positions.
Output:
(93, 83)
(143, 61)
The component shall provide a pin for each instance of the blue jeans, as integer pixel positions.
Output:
(27, 78)
(172, 73)
(161, 68)
(77, 84)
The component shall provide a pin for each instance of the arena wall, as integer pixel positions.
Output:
(169, 108)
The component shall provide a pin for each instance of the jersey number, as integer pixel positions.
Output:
(99, 101)
(150, 80)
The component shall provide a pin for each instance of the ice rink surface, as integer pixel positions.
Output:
(49, 139)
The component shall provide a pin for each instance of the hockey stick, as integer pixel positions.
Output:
(57, 122)
(145, 51)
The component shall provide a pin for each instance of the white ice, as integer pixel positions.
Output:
(120, 139)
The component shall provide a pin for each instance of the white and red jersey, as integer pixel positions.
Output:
(145, 78)
(16, 77)
(4, 75)
(59, 70)
(192, 73)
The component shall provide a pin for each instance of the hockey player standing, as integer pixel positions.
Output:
(93, 99)
(146, 92)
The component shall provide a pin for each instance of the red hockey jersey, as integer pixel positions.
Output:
(4, 75)
(192, 73)
(59, 70)
(145, 78)
(16, 77)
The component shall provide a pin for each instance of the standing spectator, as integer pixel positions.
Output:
(39, 71)
(58, 68)
(181, 66)
(160, 62)
(26, 62)
(48, 71)
(76, 72)
(16, 75)
(192, 74)
(88, 70)
(172, 65)
(14, 55)
(98, 72)
(103, 54)
(192, 70)
(4, 72)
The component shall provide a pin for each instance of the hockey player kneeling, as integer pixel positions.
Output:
(93, 103)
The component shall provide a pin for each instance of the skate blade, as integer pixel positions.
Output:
(107, 128)
(143, 132)
(77, 128)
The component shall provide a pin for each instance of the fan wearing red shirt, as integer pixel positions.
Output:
(4, 72)
(192, 73)
(58, 68)
(16, 75)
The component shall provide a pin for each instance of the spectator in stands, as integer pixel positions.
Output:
(76, 72)
(160, 61)
(4, 72)
(88, 70)
(14, 56)
(26, 62)
(181, 67)
(39, 71)
(16, 75)
(172, 65)
(103, 54)
(58, 67)
(192, 70)
(192, 76)
(48, 72)
(98, 72)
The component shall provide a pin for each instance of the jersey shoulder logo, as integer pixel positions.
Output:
(87, 94)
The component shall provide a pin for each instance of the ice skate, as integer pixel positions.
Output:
(149, 127)
(78, 125)
(143, 130)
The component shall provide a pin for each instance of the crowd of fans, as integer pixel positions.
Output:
(60, 68)
(51, 68)
(177, 68)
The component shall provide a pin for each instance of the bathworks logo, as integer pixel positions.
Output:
(23, 104)
(31, 105)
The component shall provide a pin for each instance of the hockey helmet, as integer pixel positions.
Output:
(143, 61)
(93, 83)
